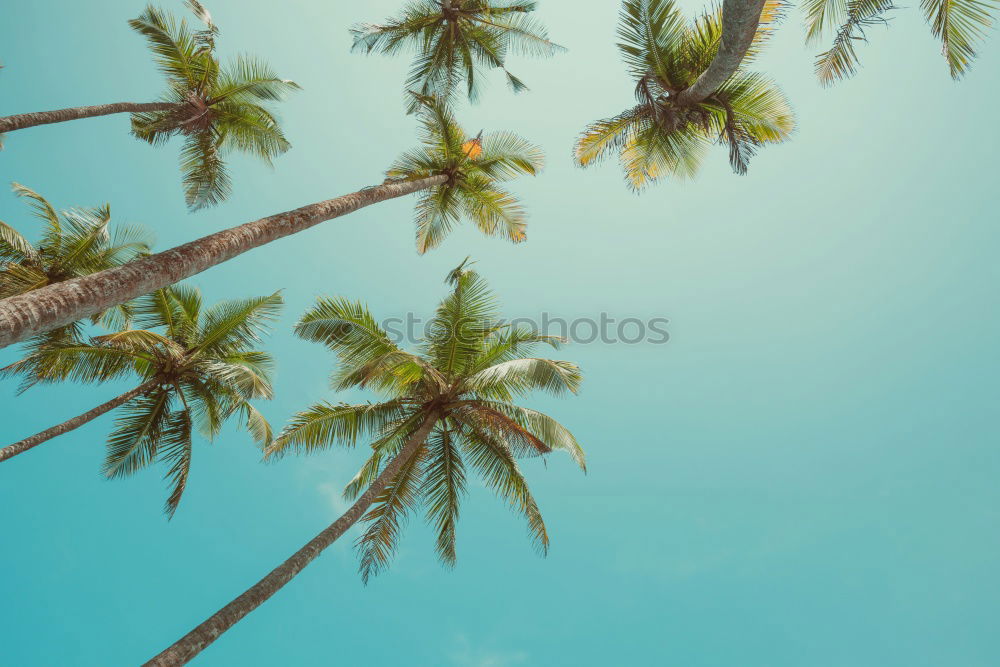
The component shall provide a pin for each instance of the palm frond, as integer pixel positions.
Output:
(500, 472)
(841, 60)
(387, 516)
(649, 32)
(206, 179)
(14, 247)
(959, 24)
(137, 435)
(442, 490)
(232, 326)
(325, 424)
(174, 449)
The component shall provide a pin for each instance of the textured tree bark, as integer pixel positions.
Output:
(22, 446)
(191, 644)
(57, 305)
(21, 121)
(740, 19)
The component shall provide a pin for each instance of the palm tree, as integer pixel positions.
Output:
(458, 177)
(445, 408)
(194, 366)
(455, 39)
(215, 108)
(73, 243)
(959, 24)
(686, 98)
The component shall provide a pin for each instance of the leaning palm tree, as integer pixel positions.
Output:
(216, 108)
(193, 367)
(960, 25)
(455, 40)
(686, 100)
(73, 243)
(446, 408)
(457, 176)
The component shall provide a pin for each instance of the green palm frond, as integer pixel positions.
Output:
(959, 24)
(206, 178)
(455, 335)
(841, 60)
(387, 517)
(324, 425)
(133, 444)
(45, 212)
(554, 435)
(500, 472)
(495, 212)
(609, 135)
(174, 449)
(237, 325)
(823, 16)
(388, 446)
(442, 490)
(256, 425)
(246, 371)
(507, 155)
(649, 30)
(252, 78)
(521, 376)
(14, 247)
(172, 43)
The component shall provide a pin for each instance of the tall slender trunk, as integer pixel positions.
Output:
(191, 644)
(57, 305)
(740, 19)
(21, 121)
(22, 446)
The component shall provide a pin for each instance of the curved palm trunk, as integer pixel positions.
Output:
(191, 644)
(740, 19)
(57, 305)
(22, 446)
(21, 121)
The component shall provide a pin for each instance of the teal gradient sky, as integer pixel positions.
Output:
(806, 475)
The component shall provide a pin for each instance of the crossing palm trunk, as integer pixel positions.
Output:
(56, 305)
(740, 19)
(191, 644)
(22, 446)
(21, 121)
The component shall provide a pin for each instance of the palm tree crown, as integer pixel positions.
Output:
(73, 243)
(473, 167)
(455, 39)
(465, 376)
(203, 366)
(216, 108)
(661, 136)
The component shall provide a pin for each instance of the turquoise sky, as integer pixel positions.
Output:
(804, 476)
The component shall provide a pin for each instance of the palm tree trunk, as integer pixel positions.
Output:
(22, 446)
(56, 305)
(21, 121)
(740, 19)
(191, 644)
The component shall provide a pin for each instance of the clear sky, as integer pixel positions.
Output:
(804, 475)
